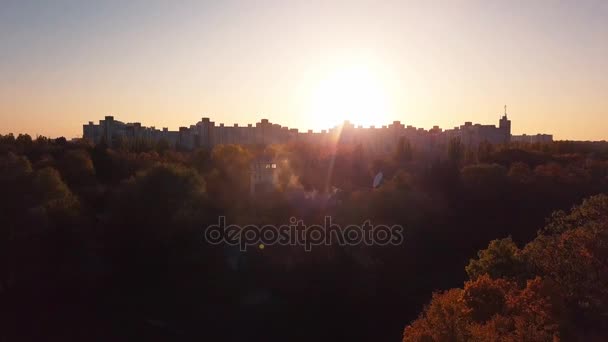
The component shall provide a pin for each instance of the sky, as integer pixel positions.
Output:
(305, 64)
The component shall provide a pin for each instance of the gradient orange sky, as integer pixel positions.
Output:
(425, 63)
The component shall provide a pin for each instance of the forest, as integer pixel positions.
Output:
(501, 243)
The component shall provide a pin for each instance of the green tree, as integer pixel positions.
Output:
(161, 199)
(53, 194)
(502, 259)
(572, 251)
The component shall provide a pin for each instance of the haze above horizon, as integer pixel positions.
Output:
(307, 65)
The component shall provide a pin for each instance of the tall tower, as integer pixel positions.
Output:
(504, 125)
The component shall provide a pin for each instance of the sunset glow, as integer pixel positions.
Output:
(353, 93)
(306, 65)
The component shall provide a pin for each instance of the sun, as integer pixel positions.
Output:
(355, 93)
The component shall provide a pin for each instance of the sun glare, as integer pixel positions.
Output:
(353, 93)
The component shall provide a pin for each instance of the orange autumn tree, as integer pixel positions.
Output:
(444, 319)
(554, 288)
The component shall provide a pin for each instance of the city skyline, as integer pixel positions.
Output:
(325, 129)
(307, 65)
(384, 139)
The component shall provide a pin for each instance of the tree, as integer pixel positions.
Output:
(455, 150)
(42, 141)
(24, 141)
(8, 139)
(492, 310)
(566, 297)
(485, 297)
(571, 251)
(77, 167)
(484, 151)
(444, 319)
(403, 151)
(61, 141)
(228, 178)
(16, 195)
(484, 176)
(162, 145)
(520, 173)
(502, 259)
(159, 200)
(53, 194)
(532, 314)
(153, 238)
(13, 166)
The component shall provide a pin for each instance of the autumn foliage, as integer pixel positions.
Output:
(102, 243)
(564, 298)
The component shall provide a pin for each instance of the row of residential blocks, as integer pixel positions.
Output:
(207, 134)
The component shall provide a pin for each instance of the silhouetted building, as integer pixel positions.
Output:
(533, 139)
(207, 134)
